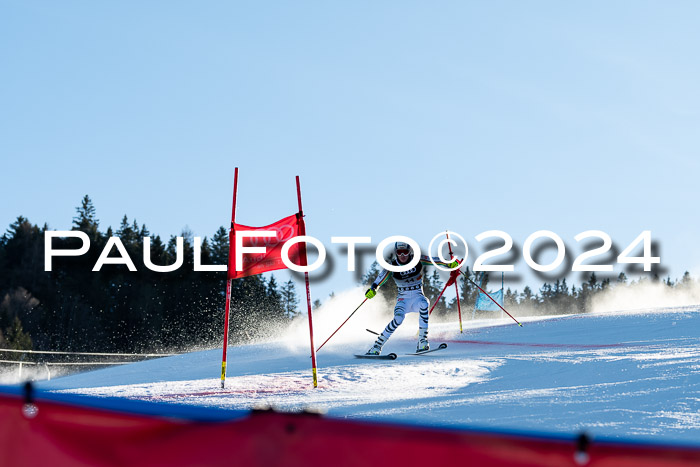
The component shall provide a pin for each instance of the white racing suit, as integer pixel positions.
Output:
(410, 297)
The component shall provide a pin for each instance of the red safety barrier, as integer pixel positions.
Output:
(50, 432)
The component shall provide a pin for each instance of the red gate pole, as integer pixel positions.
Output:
(304, 262)
(231, 254)
(437, 299)
(459, 308)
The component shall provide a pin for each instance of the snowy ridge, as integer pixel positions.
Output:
(630, 375)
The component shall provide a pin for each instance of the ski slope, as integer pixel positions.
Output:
(632, 375)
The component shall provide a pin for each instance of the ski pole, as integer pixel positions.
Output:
(329, 338)
(459, 308)
(494, 301)
(437, 300)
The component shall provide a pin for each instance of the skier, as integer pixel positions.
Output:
(410, 298)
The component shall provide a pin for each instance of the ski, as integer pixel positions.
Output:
(389, 356)
(439, 347)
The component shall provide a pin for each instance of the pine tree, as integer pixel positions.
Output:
(686, 280)
(546, 293)
(527, 298)
(290, 301)
(432, 286)
(126, 233)
(16, 338)
(22, 257)
(561, 301)
(159, 255)
(274, 302)
(219, 246)
(593, 282)
(557, 291)
(511, 298)
(144, 232)
(86, 220)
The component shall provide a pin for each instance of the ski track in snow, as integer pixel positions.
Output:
(617, 375)
(342, 386)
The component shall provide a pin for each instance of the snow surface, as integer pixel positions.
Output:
(630, 375)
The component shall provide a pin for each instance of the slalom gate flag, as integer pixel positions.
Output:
(257, 263)
(484, 303)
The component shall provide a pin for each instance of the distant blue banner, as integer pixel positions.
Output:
(486, 304)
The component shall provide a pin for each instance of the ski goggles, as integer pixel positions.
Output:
(403, 252)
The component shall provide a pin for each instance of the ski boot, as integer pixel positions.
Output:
(375, 350)
(423, 345)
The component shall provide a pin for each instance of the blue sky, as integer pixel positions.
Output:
(400, 117)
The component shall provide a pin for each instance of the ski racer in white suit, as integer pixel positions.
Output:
(410, 298)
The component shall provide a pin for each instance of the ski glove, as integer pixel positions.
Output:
(453, 264)
(370, 293)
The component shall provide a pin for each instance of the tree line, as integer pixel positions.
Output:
(551, 298)
(72, 308)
